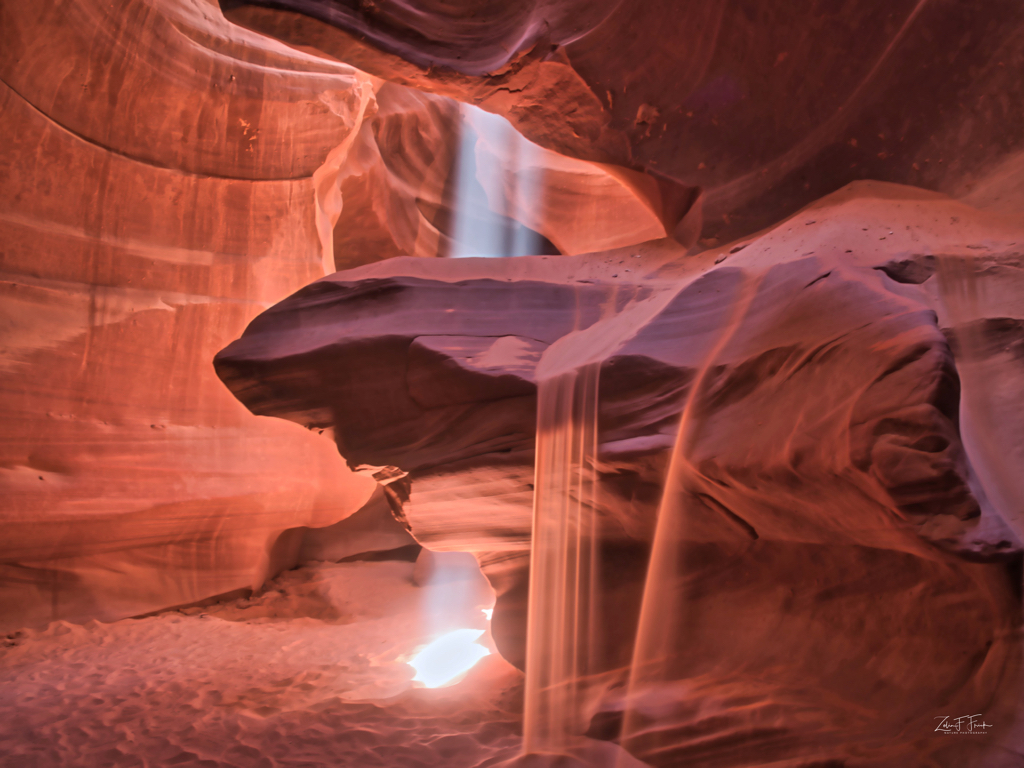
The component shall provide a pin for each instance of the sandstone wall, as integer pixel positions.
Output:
(157, 195)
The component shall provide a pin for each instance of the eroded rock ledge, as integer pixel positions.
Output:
(827, 452)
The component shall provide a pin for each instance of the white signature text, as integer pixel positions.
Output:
(964, 724)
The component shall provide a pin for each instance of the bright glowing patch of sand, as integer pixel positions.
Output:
(448, 657)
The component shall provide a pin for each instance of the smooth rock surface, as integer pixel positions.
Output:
(167, 176)
(827, 464)
(429, 177)
(157, 195)
(766, 105)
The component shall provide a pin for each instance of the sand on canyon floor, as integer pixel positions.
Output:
(311, 672)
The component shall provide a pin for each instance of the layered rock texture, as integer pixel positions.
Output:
(157, 195)
(182, 179)
(168, 176)
(766, 105)
(428, 177)
(827, 515)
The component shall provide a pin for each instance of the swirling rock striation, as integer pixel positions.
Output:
(765, 105)
(826, 453)
(157, 195)
(170, 175)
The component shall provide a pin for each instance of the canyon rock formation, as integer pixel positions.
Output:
(827, 463)
(170, 175)
(687, 190)
(766, 105)
(156, 196)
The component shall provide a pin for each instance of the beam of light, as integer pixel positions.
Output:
(448, 657)
(497, 180)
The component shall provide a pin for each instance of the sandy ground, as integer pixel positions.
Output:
(310, 673)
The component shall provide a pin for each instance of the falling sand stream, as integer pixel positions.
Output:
(563, 617)
(563, 590)
(658, 630)
(985, 438)
(564, 620)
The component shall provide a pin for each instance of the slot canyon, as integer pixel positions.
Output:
(537, 384)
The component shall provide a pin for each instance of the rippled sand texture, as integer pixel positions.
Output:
(310, 673)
